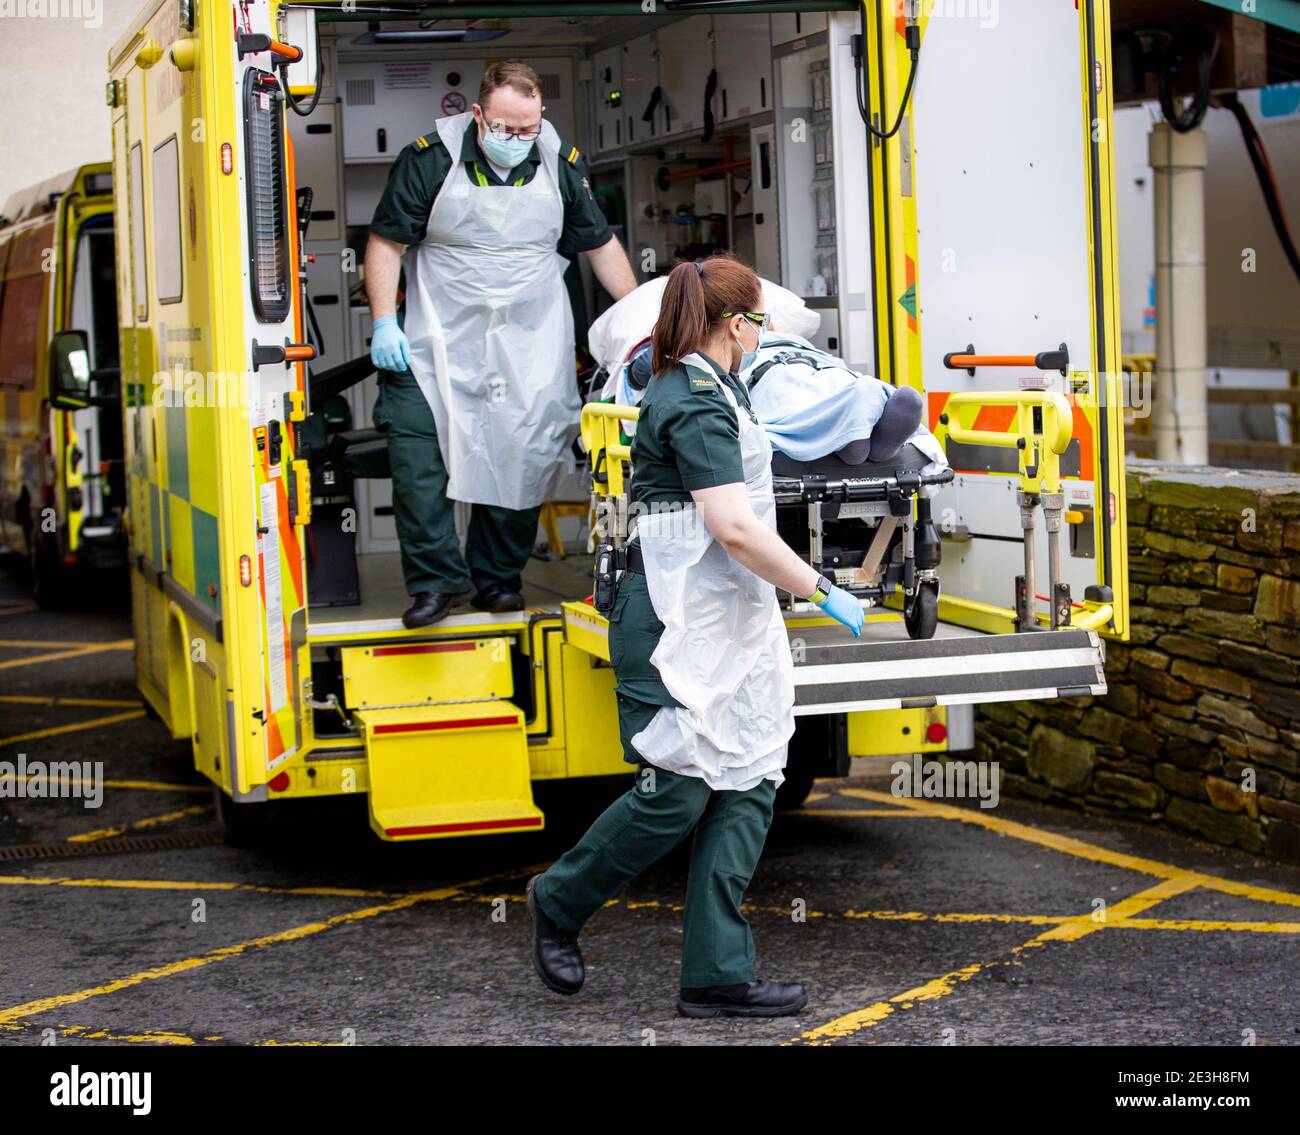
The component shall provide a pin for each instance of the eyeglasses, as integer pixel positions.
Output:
(502, 135)
(761, 319)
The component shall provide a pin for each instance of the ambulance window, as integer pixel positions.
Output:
(167, 221)
(268, 226)
(139, 273)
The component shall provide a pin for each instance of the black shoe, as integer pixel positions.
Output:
(556, 956)
(497, 597)
(749, 999)
(430, 606)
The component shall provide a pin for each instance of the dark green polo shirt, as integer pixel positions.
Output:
(421, 168)
(687, 435)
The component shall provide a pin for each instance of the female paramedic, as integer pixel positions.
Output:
(698, 646)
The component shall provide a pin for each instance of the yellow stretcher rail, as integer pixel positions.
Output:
(1044, 427)
(602, 434)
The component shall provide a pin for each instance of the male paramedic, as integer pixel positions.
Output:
(478, 387)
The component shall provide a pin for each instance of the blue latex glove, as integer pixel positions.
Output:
(389, 349)
(841, 606)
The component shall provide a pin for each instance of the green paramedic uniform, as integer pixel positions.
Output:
(499, 540)
(687, 437)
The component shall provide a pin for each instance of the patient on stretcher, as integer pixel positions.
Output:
(813, 405)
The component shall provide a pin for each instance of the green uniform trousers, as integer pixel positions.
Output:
(499, 540)
(647, 822)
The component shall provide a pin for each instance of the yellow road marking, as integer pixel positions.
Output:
(222, 953)
(73, 650)
(194, 885)
(138, 785)
(1210, 925)
(1070, 930)
(1080, 848)
(1114, 920)
(32, 699)
(156, 1036)
(135, 825)
(891, 813)
(86, 1032)
(78, 727)
(89, 647)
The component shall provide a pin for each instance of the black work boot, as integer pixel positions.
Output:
(748, 999)
(430, 606)
(556, 956)
(498, 597)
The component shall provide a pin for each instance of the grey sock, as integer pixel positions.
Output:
(899, 421)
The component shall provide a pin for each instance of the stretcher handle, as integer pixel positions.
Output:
(1057, 418)
(968, 360)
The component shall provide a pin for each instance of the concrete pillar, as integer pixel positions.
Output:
(1180, 422)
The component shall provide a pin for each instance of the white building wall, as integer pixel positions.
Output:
(52, 74)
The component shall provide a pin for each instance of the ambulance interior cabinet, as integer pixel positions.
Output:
(607, 90)
(790, 26)
(744, 67)
(807, 164)
(685, 60)
(642, 94)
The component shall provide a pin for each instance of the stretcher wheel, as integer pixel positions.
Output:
(921, 612)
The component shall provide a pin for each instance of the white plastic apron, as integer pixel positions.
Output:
(724, 653)
(491, 331)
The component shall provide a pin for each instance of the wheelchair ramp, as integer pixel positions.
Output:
(835, 673)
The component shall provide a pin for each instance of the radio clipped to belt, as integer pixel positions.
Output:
(611, 562)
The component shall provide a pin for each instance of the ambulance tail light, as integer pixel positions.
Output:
(268, 225)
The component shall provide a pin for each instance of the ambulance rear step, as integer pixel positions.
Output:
(446, 751)
(836, 674)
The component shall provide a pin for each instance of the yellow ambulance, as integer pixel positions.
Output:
(936, 185)
(62, 479)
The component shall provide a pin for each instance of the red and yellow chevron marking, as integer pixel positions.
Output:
(281, 726)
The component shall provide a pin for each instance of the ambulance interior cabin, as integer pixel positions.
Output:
(701, 132)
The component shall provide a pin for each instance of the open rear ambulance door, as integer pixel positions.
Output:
(993, 223)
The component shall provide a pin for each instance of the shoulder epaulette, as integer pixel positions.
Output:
(572, 156)
(422, 142)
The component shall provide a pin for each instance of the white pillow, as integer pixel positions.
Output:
(619, 329)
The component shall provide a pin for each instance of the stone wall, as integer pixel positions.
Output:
(1204, 701)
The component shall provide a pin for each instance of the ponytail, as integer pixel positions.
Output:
(683, 322)
(697, 294)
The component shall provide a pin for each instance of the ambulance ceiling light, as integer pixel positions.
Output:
(429, 35)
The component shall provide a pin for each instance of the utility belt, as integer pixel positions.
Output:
(610, 562)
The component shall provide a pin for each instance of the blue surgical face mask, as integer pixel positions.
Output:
(747, 357)
(508, 153)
